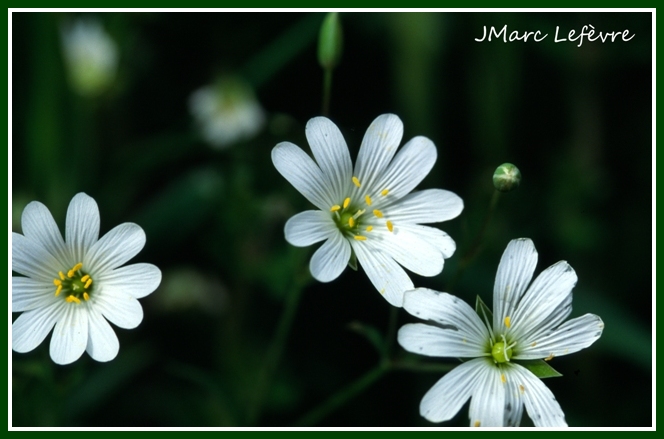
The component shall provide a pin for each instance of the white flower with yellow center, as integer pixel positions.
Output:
(528, 324)
(369, 211)
(76, 284)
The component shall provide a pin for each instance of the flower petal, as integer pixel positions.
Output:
(487, 405)
(379, 145)
(31, 259)
(331, 153)
(82, 225)
(409, 167)
(427, 206)
(309, 227)
(28, 294)
(70, 336)
(434, 341)
(330, 260)
(410, 251)
(115, 248)
(550, 290)
(570, 337)
(451, 392)
(436, 237)
(449, 311)
(119, 308)
(300, 170)
(136, 280)
(32, 327)
(38, 225)
(540, 403)
(513, 403)
(384, 273)
(103, 344)
(515, 271)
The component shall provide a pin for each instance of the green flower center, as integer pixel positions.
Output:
(75, 286)
(501, 352)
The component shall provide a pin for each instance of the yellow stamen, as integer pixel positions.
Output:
(70, 274)
(360, 238)
(390, 226)
(74, 299)
(534, 344)
(351, 221)
(62, 275)
(378, 213)
(346, 202)
(550, 357)
(356, 181)
(86, 296)
(522, 389)
(77, 266)
(369, 229)
(88, 283)
(335, 208)
(508, 322)
(85, 278)
(58, 290)
(384, 192)
(477, 423)
(502, 378)
(57, 282)
(368, 200)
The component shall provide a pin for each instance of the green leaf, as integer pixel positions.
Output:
(540, 368)
(352, 262)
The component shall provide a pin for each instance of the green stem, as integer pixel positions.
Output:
(474, 250)
(327, 91)
(344, 395)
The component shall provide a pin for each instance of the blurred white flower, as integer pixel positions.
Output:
(528, 324)
(91, 56)
(76, 284)
(368, 212)
(226, 112)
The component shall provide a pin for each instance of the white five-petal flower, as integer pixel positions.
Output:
(528, 324)
(76, 284)
(368, 210)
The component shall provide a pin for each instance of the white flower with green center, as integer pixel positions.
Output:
(368, 211)
(528, 324)
(76, 284)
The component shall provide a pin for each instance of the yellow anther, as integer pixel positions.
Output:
(384, 192)
(86, 296)
(57, 282)
(351, 221)
(390, 226)
(502, 378)
(62, 275)
(77, 266)
(533, 344)
(360, 238)
(356, 181)
(522, 389)
(58, 290)
(335, 208)
(508, 322)
(88, 283)
(368, 200)
(369, 228)
(477, 423)
(70, 274)
(346, 202)
(550, 357)
(74, 299)
(85, 278)
(378, 213)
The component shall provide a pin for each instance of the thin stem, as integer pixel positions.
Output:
(475, 247)
(341, 397)
(327, 91)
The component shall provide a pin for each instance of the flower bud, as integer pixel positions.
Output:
(506, 177)
(330, 41)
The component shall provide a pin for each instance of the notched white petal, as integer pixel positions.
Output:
(82, 225)
(115, 248)
(426, 206)
(331, 153)
(540, 403)
(384, 273)
(31, 259)
(38, 225)
(136, 280)
(409, 167)
(120, 309)
(309, 227)
(434, 341)
(28, 294)
(379, 145)
(330, 260)
(103, 344)
(70, 336)
(32, 327)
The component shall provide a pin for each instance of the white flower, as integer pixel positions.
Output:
(91, 56)
(226, 112)
(368, 211)
(527, 325)
(78, 283)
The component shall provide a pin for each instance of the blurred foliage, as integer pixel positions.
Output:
(575, 120)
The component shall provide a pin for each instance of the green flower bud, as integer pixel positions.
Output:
(330, 41)
(506, 178)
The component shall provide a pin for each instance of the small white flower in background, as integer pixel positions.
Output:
(226, 112)
(528, 324)
(91, 56)
(368, 211)
(76, 284)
